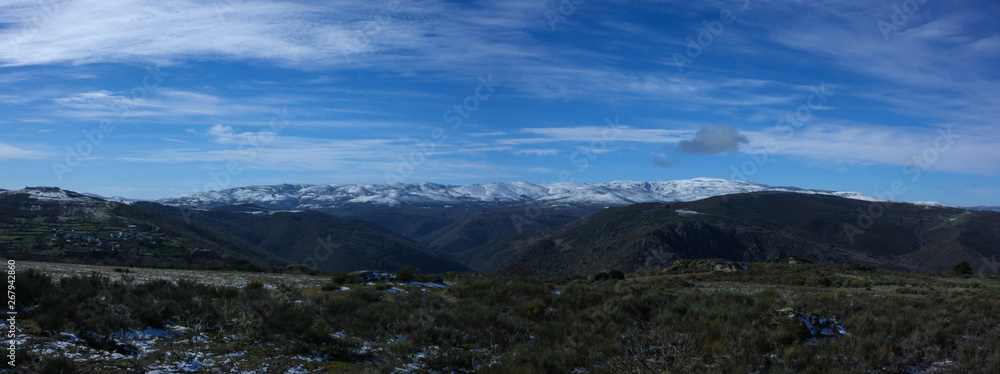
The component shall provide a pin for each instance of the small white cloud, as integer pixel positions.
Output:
(596, 150)
(596, 134)
(89, 98)
(537, 152)
(223, 134)
(221, 131)
(486, 134)
(714, 140)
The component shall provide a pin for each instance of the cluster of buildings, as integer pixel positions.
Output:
(69, 236)
(132, 233)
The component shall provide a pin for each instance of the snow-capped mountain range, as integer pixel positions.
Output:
(306, 196)
(117, 199)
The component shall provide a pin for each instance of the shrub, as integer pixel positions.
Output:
(32, 284)
(344, 278)
(366, 295)
(407, 274)
(254, 285)
(57, 365)
(962, 268)
(529, 309)
(152, 315)
(297, 269)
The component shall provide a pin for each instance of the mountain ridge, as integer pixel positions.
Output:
(420, 210)
(51, 224)
(748, 227)
(616, 193)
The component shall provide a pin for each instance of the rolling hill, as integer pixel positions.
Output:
(321, 240)
(482, 228)
(750, 227)
(50, 224)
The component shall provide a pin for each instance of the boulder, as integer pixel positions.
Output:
(729, 267)
(808, 327)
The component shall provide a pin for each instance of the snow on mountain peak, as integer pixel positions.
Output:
(303, 196)
(48, 194)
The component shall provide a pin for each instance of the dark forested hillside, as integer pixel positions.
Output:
(321, 240)
(481, 228)
(752, 227)
(49, 224)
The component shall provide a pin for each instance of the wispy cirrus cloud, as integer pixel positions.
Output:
(934, 64)
(435, 38)
(10, 152)
(301, 35)
(169, 104)
(948, 148)
(87, 31)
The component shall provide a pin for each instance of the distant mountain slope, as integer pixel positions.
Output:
(117, 199)
(484, 227)
(750, 227)
(419, 210)
(317, 239)
(303, 196)
(984, 208)
(50, 224)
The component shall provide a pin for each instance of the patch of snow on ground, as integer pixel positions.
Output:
(427, 284)
(686, 212)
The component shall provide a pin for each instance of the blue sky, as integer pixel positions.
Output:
(150, 99)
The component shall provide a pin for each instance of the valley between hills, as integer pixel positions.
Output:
(502, 280)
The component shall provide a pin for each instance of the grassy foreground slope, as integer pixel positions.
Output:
(769, 318)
